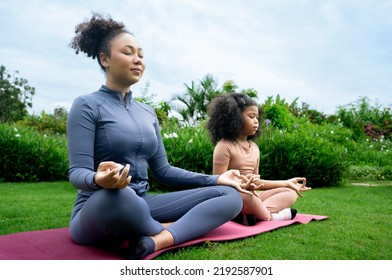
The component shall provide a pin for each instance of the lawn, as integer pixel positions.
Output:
(359, 226)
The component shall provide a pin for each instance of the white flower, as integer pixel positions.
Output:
(332, 132)
(190, 141)
(170, 135)
(17, 135)
(15, 129)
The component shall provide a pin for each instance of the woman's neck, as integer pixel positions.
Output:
(122, 89)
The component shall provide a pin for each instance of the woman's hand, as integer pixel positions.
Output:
(298, 184)
(108, 176)
(234, 179)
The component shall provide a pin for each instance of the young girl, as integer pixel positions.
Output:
(233, 123)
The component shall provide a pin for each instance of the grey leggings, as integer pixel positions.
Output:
(122, 214)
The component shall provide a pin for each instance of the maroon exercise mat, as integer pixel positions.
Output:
(56, 244)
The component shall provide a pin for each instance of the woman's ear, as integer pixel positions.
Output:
(104, 60)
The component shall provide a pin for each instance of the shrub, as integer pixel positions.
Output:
(371, 152)
(189, 147)
(48, 123)
(370, 173)
(366, 119)
(28, 155)
(302, 152)
(279, 114)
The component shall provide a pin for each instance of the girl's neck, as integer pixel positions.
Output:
(242, 138)
(243, 143)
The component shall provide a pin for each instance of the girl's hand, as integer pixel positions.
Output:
(295, 184)
(108, 176)
(234, 179)
(251, 183)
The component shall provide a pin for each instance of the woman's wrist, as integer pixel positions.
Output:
(95, 183)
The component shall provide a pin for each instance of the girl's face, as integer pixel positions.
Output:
(251, 120)
(125, 65)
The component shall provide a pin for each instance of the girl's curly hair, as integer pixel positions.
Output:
(95, 35)
(225, 116)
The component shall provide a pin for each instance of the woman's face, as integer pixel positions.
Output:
(251, 120)
(125, 65)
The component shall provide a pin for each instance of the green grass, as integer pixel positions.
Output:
(358, 228)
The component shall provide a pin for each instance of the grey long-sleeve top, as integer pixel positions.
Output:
(102, 127)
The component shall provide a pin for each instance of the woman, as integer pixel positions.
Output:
(233, 123)
(108, 129)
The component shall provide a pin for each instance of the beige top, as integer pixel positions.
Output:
(235, 156)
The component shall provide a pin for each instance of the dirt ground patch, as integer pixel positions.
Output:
(370, 184)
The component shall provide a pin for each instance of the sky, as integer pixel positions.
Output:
(326, 53)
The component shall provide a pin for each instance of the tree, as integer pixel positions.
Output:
(192, 105)
(15, 96)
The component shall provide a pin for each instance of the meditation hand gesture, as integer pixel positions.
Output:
(108, 176)
(251, 183)
(234, 179)
(295, 184)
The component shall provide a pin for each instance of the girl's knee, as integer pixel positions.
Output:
(292, 195)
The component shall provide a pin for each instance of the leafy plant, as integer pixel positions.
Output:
(28, 155)
(55, 123)
(301, 152)
(365, 119)
(15, 96)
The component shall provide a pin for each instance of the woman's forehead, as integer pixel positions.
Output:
(126, 40)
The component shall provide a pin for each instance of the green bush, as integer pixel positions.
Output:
(371, 152)
(369, 173)
(48, 123)
(28, 155)
(305, 152)
(189, 147)
(365, 119)
(302, 152)
(321, 153)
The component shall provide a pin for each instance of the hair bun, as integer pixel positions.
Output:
(90, 34)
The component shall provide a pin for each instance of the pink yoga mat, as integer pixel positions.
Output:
(56, 244)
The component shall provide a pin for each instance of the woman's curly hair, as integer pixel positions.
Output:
(95, 35)
(225, 116)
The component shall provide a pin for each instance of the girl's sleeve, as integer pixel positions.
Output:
(221, 154)
(174, 176)
(81, 137)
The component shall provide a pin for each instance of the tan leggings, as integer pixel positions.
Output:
(270, 201)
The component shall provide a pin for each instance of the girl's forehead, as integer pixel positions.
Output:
(252, 108)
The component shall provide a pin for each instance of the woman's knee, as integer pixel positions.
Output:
(234, 200)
